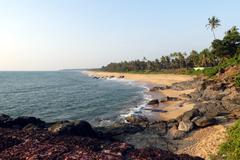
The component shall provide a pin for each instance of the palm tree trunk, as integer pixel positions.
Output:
(214, 34)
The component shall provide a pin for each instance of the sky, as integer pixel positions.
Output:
(67, 34)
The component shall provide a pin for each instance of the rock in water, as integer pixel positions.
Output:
(153, 102)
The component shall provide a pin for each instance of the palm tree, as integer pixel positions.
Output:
(213, 23)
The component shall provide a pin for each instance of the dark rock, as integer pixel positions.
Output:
(125, 129)
(96, 77)
(83, 128)
(121, 77)
(167, 98)
(24, 121)
(159, 88)
(5, 120)
(153, 102)
(204, 122)
(79, 128)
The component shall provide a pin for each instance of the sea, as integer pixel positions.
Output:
(69, 95)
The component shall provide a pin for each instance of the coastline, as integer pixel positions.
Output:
(166, 111)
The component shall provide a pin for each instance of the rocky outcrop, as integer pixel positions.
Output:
(79, 128)
(20, 122)
(72, 141)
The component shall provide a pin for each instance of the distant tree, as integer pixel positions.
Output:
(207, 59)
(213, 23)
(192, 59)
(227, 47)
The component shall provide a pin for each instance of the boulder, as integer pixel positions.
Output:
(211, 109)
(204, 121)
(121, 77)
(79, 128)
(174, 133)
(185, 126)
(153, 102)
(189, 115)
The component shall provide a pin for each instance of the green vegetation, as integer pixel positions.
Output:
(237, 80)
(223, 53)
(230, 150)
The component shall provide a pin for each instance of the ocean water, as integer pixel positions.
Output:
(67, 95)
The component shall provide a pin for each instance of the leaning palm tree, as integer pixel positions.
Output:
(213, 23)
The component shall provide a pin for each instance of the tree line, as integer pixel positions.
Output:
(220, 50)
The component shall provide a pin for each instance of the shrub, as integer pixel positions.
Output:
(210, 71)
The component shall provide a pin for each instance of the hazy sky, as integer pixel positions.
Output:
(58, 34)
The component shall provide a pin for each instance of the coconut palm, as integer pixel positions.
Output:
(213, 23)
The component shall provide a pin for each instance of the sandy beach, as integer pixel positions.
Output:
(173, 108)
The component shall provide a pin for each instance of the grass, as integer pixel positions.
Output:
(237, 80)
(230, 150)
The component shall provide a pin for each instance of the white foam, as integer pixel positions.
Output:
(142, 107)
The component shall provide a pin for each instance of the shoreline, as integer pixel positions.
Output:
(165, 111)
